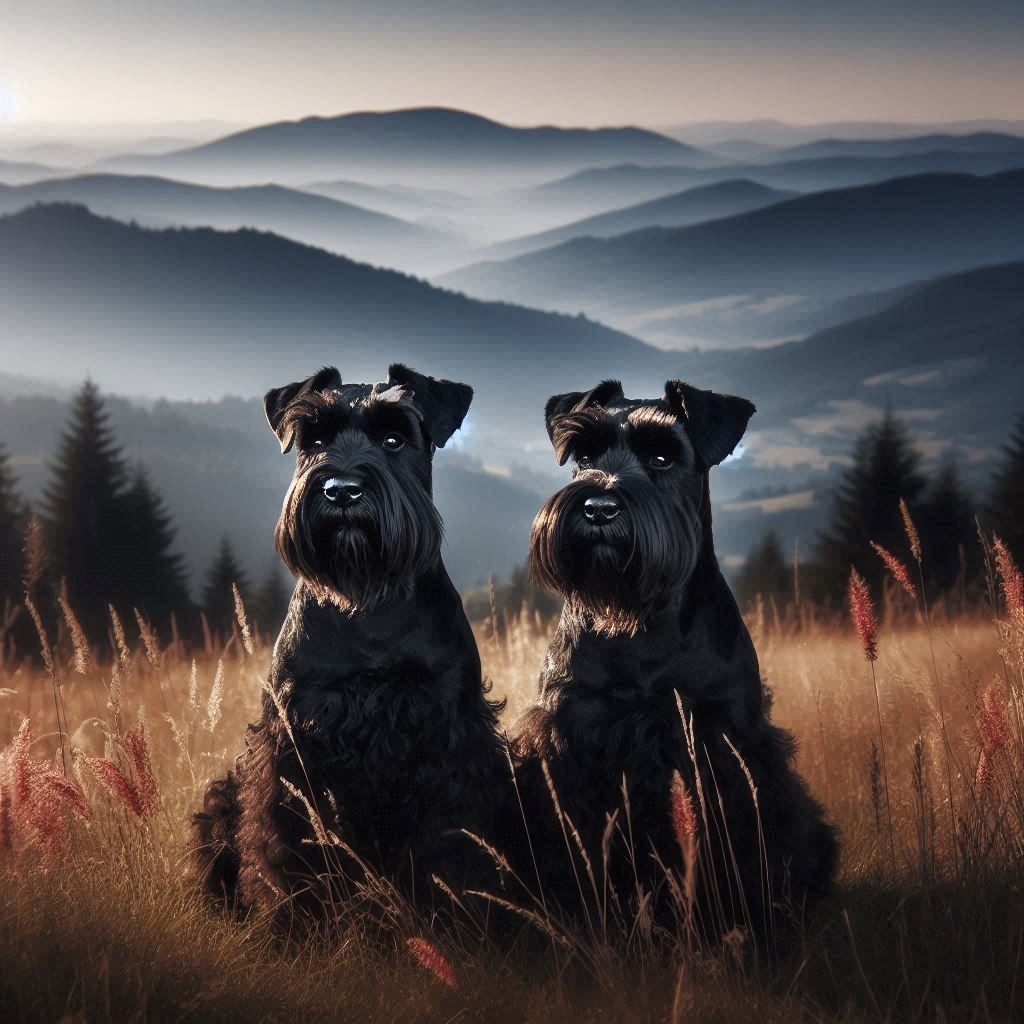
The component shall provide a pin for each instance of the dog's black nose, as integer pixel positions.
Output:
(602, 509)
(342, 492)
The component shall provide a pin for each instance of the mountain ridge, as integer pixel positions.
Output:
(317, 220)
(826, 244)
(680, 209)
(407, 141)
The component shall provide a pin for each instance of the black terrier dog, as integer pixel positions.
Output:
(677, 795)
(377, 743)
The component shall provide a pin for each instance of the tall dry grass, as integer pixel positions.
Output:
(107, 749)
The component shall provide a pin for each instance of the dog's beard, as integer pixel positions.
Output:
(614, 577)
(364, 555)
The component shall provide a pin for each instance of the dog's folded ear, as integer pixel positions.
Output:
(277, 400)
(443, 403)
(575, 401)
(715, 423)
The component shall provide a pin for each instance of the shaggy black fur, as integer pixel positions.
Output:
(376, 712)
(649, 624)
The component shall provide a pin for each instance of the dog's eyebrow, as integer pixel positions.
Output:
(314, 407)
(380, 393)
(594, 424)
(384, 411)
(647, 416)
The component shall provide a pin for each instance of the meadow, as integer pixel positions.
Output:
(917, 756)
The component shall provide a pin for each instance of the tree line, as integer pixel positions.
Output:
(101, 538)
(886, 469)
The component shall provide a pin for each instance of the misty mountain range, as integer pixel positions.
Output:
(315, 219)
(823, 276)
(922, 144)
(410, 142)
(598, 189)
(691, 206)
(197, 312)
(812, 249)
(769, 134)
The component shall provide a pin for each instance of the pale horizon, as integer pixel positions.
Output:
(583, 63)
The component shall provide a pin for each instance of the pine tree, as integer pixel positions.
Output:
(866, 506)
(13, 519)
(155, 580)
(765, 572)
(948, 535)
(218, 598)
(1006, 503)
(270, 603)
(84, 511)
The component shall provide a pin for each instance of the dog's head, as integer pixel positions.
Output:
(628, 529)
(358, 523)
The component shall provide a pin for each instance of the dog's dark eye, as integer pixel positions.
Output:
(659, 462)
(392, 442)
(583, 462)
(314, 437)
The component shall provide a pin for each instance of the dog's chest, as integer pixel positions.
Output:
(383, 750)
(377, 725)
(618, 729)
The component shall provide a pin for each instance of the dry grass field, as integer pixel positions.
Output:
(99, 920)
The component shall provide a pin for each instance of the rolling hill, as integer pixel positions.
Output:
(777, 134)
(955, 343)
(815, 249)
(600, 189)
(316, 220)
(398, 201)
(709, 202)
(946, 354)
(935, 142)
(200, 313)
(15, 172)
(408, 143)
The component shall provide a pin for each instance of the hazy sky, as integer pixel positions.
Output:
(564, 61)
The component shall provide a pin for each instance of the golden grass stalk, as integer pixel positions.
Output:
(120, 640)
(243, 620)
(83, 657)
(862, 614)
(193, 687)
(913, 537)
(35, 554)
(114, 691)
(915, 549)
(216, 700)
(149, 638)
(51, 669)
